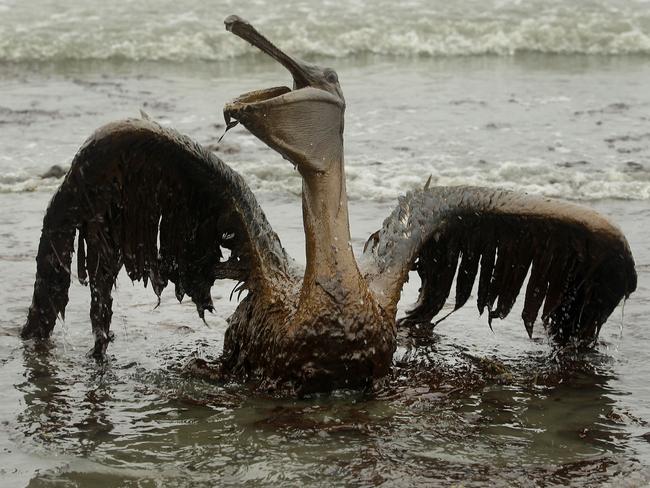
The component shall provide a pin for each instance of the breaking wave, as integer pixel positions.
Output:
(366, 181)
(187, 30)
(381, 183)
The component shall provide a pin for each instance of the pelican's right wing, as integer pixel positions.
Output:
(150, 199)
(580, 265)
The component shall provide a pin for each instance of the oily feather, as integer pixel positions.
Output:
(580, 265)
(151, 200)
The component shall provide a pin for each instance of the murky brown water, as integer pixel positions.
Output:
(463, 406)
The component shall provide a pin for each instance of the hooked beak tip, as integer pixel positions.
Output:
(231, 20)
(242, 28)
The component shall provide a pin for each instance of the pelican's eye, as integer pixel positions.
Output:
(331, 77)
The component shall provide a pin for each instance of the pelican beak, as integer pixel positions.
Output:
(297, 123)
(246, 31)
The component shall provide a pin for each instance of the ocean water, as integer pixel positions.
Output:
(546, 97)
(190, 30)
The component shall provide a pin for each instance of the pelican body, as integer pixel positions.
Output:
(148, 199)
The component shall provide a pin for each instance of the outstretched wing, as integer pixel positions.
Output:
(580, 265)
(150, 199)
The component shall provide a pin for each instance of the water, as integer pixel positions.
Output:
(559, 106)
(190, 30)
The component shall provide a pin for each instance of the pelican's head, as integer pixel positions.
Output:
(304, 124)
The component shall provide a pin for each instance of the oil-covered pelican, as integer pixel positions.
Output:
(151, 200)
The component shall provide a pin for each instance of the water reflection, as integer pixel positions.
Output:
(443, 416)
(63, 410)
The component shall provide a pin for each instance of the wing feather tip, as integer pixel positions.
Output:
(529, 328)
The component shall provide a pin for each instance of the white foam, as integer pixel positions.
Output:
(384, 182)
(22, 181)
(436, 28)
(366, 181)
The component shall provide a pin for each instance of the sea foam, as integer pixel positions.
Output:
(189, 30)
(372, 183)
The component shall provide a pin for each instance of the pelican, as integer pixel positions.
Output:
(151, 200)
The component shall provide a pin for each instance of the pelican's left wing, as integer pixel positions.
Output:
(580, 264)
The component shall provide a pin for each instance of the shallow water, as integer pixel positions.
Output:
(564, 126)
(464, 405)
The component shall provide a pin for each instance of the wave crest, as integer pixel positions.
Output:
(381, 29)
